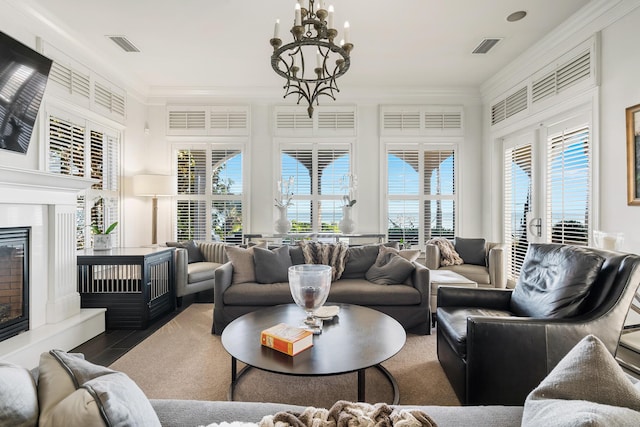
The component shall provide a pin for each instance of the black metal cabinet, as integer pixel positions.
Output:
(135, 285)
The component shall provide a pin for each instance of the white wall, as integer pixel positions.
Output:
(620, 88)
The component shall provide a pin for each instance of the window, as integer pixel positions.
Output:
(568, 186)
(319, 174)
(210, 203)
(421, 193)
(80, 148)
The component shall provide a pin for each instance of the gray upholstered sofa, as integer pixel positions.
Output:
(195, 265)
(406, 301)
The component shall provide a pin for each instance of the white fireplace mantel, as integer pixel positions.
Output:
(46, 202)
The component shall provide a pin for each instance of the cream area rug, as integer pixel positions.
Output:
(183, 360)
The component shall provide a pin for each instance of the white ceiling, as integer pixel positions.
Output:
(225, 43)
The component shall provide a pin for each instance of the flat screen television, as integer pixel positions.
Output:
(23, 79)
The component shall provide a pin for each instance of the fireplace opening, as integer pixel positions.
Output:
(14, 281)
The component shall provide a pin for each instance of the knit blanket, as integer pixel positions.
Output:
(350, 414)
(448, 254)
(333, 254)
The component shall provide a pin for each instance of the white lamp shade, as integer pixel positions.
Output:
(154, 185)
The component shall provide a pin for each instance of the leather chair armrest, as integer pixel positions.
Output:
(223, 279)
(182, 270)
(497, 299)
(497, 264)
(432, 257)
(506, 358)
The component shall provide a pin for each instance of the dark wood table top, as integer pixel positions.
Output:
(358, 338)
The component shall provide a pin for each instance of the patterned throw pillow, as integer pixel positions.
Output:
(448, 254)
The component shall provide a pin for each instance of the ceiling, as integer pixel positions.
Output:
(225, 43)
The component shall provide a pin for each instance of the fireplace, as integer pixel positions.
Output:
(14, 281)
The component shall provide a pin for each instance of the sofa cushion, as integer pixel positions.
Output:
(389, 268)
(257, 294)
(18, 396)
(201, 271)
(472, 251)
(100, 395)
(242, 261)
(586, 388)
(272, 265)
(453, 323)
(554, 280)
(370, 294)
(193, 251)
(475, 273)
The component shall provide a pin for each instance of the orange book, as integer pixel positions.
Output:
(286, 339)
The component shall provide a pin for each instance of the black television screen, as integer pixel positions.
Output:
(23, 78)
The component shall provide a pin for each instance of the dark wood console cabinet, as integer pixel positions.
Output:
(135, 285)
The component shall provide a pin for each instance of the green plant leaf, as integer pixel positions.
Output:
(111, 228)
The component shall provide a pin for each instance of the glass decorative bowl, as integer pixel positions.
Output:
(310, 285)
(609, 241)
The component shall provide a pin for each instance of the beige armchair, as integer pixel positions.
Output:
(493, 274)
(195, 267)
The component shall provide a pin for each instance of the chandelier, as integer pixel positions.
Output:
(313, 36)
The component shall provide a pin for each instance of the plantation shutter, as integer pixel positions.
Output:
(403, 186)
(226, 188)
(298, 163)
(517, 203)
(569, 186)
(333, 166)
(192, 178)
(81, 223)
(439, 192)
(66, 147)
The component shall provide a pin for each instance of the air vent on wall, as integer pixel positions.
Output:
(486, 45)
(124, 44)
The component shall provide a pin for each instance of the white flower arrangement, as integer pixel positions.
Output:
(349, 183)
(285, 193)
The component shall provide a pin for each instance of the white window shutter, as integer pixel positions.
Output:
(327, 121)
(208, 120)
(423, 120)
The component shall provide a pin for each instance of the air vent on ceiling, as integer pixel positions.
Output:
(124, 44)
(486, 45)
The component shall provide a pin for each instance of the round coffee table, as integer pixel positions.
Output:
(357, 339)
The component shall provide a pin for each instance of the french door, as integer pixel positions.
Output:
(547, 185)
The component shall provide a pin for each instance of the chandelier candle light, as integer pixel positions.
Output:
(313, 34)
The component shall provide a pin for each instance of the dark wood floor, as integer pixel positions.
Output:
(110, 345)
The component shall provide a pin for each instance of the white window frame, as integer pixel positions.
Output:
(87, 199)
(315, 145)
(420, 145)
(208, 197)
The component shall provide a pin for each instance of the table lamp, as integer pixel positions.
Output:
(154, 186)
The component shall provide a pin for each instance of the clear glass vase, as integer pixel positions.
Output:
(310, 285)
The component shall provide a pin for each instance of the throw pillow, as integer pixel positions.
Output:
(358, 260)
(242, 261)
(100, 396)
(297, 257)
(18, 396)
(586, 388)
(332, 254)
(385, 252)
(554, 280)
(193, 251)
(472, 251)
(272, 266)
(448, 254)
(389, 269)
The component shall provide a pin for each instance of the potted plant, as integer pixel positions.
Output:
(102, 239)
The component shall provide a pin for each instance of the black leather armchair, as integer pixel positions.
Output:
(493, 353)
